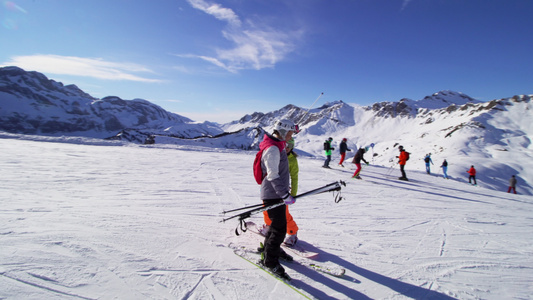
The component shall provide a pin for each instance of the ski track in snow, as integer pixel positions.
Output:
(136, 222)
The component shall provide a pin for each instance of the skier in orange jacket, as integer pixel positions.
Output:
(402, 160)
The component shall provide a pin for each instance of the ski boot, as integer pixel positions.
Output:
(291, 240)
(282, 254)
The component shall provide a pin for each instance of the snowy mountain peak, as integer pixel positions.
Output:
(409, 108)
(444, 99)
(31, 103)
(332, 104)
(336, 112)
(28, 84)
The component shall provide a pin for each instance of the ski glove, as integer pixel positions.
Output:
(288, 199)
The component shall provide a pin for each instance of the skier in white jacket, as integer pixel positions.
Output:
(274, 189)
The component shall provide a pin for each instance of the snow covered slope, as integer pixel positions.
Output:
(493, 136)
(95, 219)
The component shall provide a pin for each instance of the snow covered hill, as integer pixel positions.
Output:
(94, 219)
(31, 103)
(493, 136)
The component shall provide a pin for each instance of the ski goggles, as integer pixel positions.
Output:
(296, 129)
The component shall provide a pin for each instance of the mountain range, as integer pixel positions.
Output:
(495, 136)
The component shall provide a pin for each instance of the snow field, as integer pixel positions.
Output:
(136, 222)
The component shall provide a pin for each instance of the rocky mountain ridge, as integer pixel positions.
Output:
(33, 104)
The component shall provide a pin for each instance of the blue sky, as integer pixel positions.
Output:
(219, 60)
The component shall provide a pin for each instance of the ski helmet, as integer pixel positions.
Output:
(344, 139)
(283, 126)
(401, 147)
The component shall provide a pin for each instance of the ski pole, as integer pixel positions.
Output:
(243, 216)
(246, 207)
(310, 107)
(254, 211)
(335, 186)
(390, 169)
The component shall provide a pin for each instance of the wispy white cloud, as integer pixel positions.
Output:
(216, 10)
(255, 48)
(209, 59)
(12, 6)
(80, 66)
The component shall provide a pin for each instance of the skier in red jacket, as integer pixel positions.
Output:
(357, 161)
(343, 148)
(472, 173)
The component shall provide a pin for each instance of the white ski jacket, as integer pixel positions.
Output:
(276, 165)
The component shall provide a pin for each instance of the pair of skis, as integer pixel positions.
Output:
(246, 253)
(296, 249)
(305, 255)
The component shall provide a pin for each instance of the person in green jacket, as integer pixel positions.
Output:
(292, 228)
(293, 167)
(328, 149)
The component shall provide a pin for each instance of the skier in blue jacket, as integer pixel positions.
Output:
(428, 160)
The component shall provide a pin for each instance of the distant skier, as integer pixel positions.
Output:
(472, 173)
(328, 149)
(428, 160)
(402, 160)
(342, 149)
(444, 167)
(357, 161)
(512, 184)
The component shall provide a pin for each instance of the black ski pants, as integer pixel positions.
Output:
(326, 162)
(276, 235)
(402, 168)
